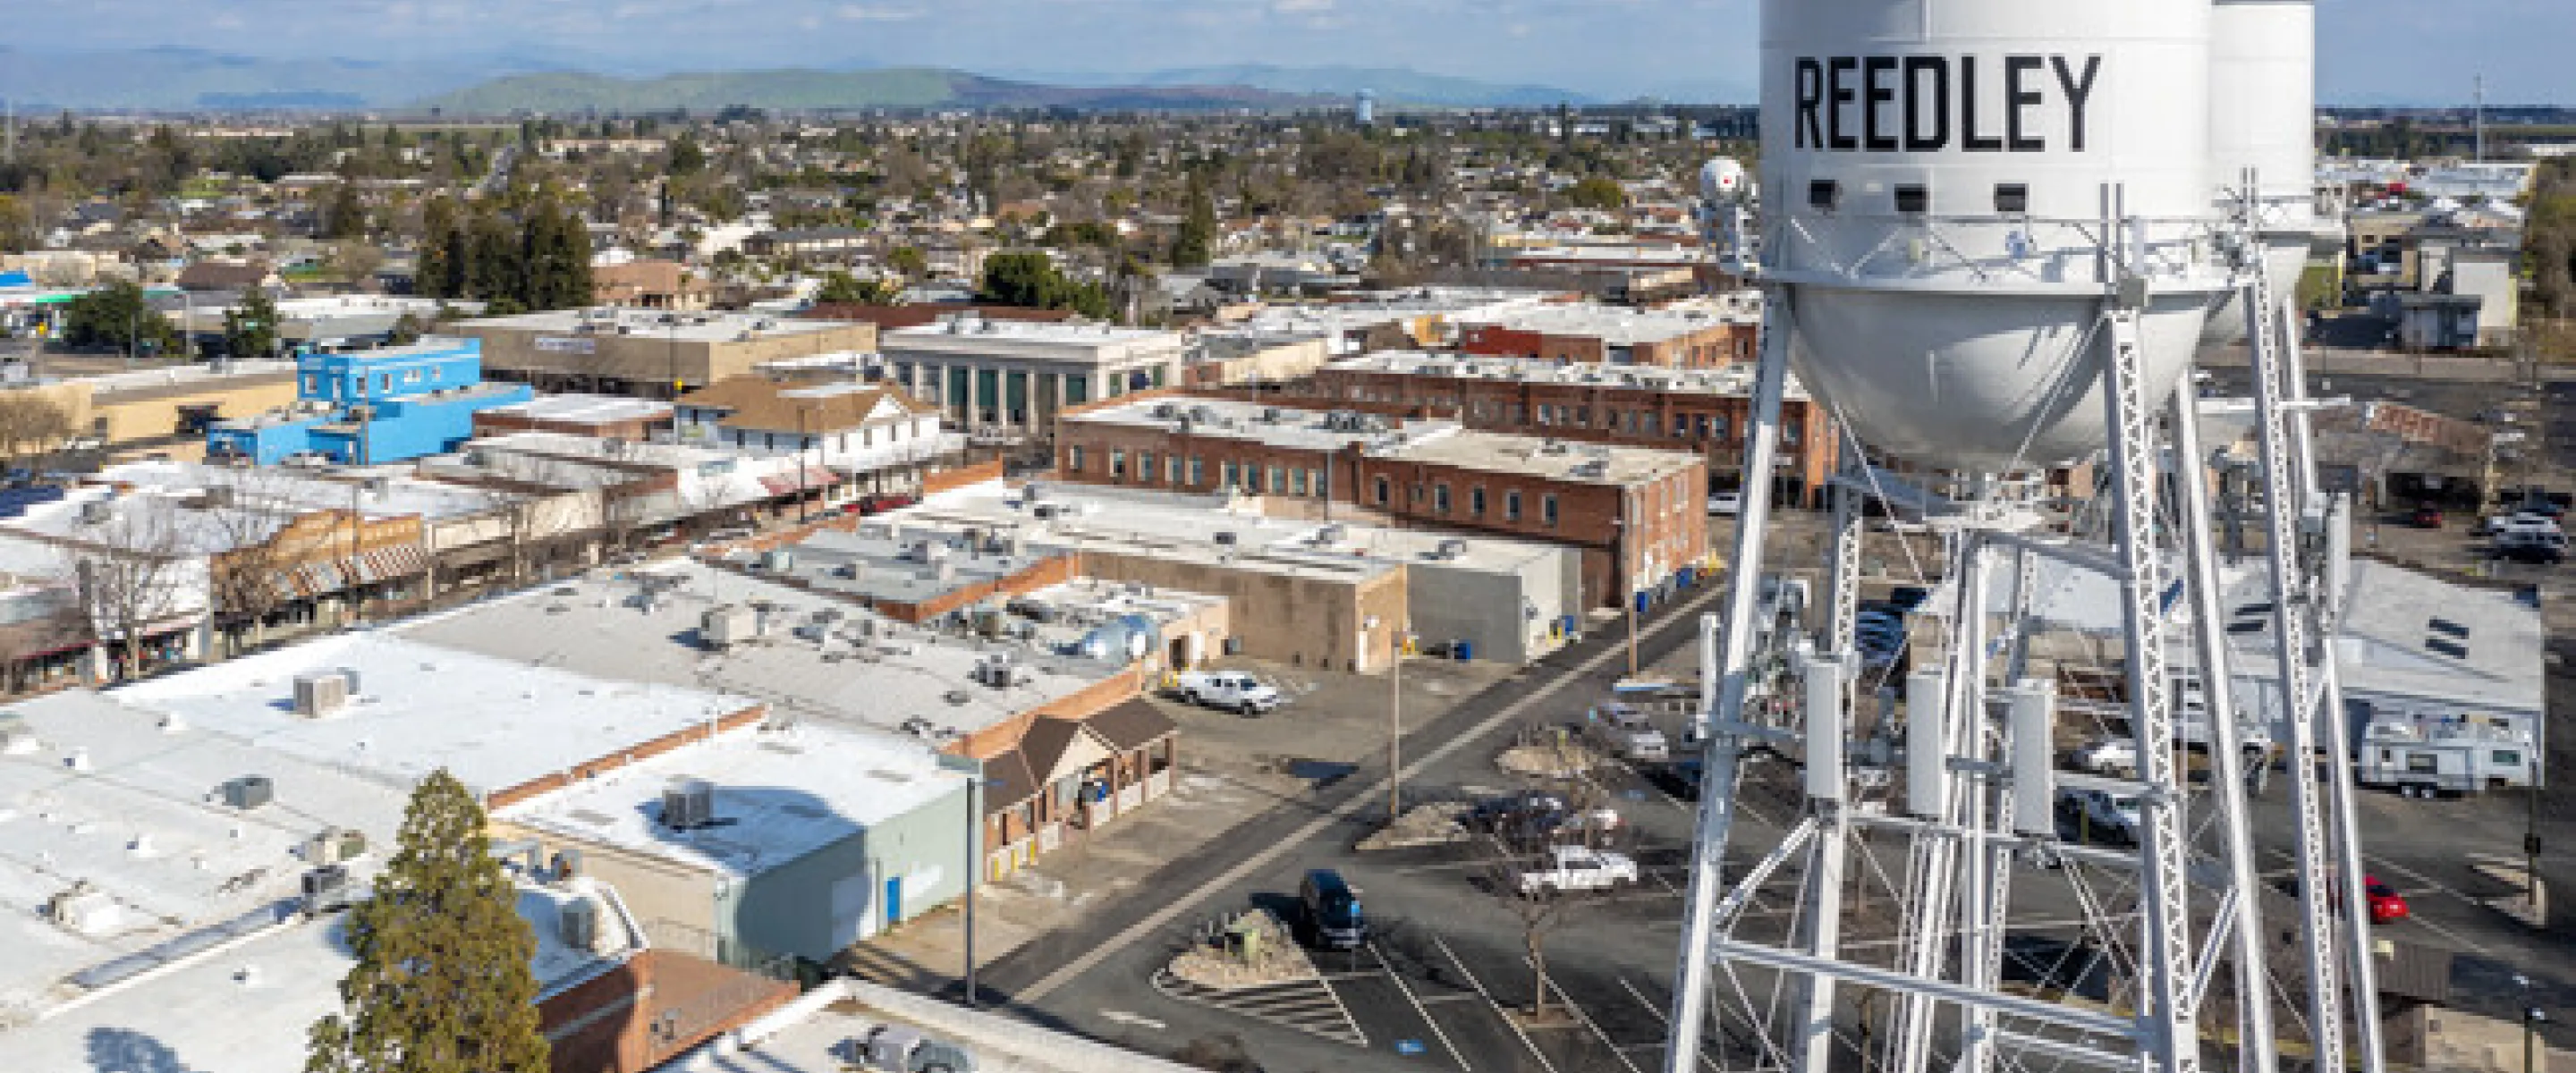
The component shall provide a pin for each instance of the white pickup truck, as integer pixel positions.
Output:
(1627, 732)
(1232, 691)
(1576, 868)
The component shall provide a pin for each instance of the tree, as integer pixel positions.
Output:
(344, 217)
(557, 256)
(441, 983)
(250, 326)
(1597, 192)
(407, 330)
(17, 225)
(496, 263)
(440, 272)
(117, 316)
(1197, 235)
(686, 157)
(130, 572)
(31, 423)
(909, 261)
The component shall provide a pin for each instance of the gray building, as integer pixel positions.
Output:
(1011, 378)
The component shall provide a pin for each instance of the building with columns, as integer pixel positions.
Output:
(1011, 378)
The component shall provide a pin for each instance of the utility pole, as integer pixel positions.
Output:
(1394, 723)
(2481, 121)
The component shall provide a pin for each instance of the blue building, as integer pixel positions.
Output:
(372, 406)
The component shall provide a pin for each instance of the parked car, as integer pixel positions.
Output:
(881, 502)
(1627, 732)
(2101, 813)
(1679, 778)
(1497, 814)
(2108, 756)
(1231, 691)
(1725, 504)
(1908, 598)
(2547, 548)
(1577, 868)
(2521, 522)
(1330, 912)
(2385, 904)
(2426, 516)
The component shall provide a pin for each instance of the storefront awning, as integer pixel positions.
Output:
(789, 483)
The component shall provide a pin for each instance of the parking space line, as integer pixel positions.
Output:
(1661, 1018)
(1499, 1011)
(1436, 1031)
(1567, 997)
(1155, 922)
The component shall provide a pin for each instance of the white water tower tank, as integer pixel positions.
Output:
(2263, 108)
(1933, 175)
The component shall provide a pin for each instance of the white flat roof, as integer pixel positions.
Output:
(779, 793)
(1060, 333)
(106, 794)
(903, 673)
(1613, 325)
(654, 324)
(1278, 426)
(1570, 463)
(1731, 381)
(247, 1009)
(1182, 525)
(292, 490)
(597, 409)
(494, 721)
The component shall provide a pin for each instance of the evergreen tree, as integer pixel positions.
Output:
(345, 217)
(441, 983)
(909, 261)
(498, 269)
(556, 252)
(686, 157)
(1197, 236)
(117, 316)
(250, 326)
(437, 273)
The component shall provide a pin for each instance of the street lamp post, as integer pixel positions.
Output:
(2532, 1018)
(973, 769)
(1395, 639)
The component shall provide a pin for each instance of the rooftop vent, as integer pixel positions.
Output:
(688, 804)
(320, 693)
(577, 924)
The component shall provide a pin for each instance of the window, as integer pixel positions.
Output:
(312, 385)
(411, 376)
(1117, 462)
(437, 372)
(1440, 498)
(1476, 501)
(1703, 426)
(1145, 465)
(1073, 459)
(1233, 475)
(384, 382)
(1717, 426)
(1511, 506)
(2511, 757)
(1788, 434)
(1384, 492)
(1278, 482)
(1172, 469)
(1681, 427)
(1198, 472)
(1297, 482)
(1547, 510)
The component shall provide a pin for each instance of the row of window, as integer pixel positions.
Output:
(1290, 480)
(384, 381)
(1700, 427)
(1383, 494)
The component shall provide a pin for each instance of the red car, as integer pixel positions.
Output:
(2427, 516)
(2386, 905)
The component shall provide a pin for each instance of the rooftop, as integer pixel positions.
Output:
(1278, 426)
(970, 331)
(875, 563)
(1495, 452)
(495, 721)
(1733, 381)
(585, 409)
(293, 491)
(702, 327)
(779, 793)
(248, 1009)
(1616, 326)
(1183, 526)
(801, 666)
(99, 791)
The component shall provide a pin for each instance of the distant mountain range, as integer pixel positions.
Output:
(814, 90)
(1394, 86)
(179, 79)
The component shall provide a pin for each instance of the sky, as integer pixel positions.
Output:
(2371, 51)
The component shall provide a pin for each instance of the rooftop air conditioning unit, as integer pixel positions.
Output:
(688, 804)
(577, 924)
(320, 693)
(1226, 538)
(249, 791)
(97, 512)
(1453, 548)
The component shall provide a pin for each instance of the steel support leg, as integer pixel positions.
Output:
(2255, 1050)
(2165, 1018)
(1727, 675)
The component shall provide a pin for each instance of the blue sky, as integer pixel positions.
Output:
(2372, 51)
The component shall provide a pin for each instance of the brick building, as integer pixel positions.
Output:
(1637, 513)
(1707, 411)
(1587, 334)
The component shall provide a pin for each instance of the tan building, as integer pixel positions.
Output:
(660, 285)
(648, 353)
(156, 410)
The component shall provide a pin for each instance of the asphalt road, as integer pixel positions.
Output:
(1447, 957)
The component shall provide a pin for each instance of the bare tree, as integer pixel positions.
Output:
(133, 566)
(56, 623)
(30, 423)
(244, 582)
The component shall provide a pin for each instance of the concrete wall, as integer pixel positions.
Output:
(1504, 616)
(1303, 621)
(820, 903)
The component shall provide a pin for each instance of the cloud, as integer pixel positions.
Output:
(1302, 7)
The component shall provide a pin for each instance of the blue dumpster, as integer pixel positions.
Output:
(1466, 650)
(1642, 599)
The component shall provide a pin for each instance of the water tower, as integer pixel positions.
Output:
(1991, 236)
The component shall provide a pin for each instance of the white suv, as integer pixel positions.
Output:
(1572, 868)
